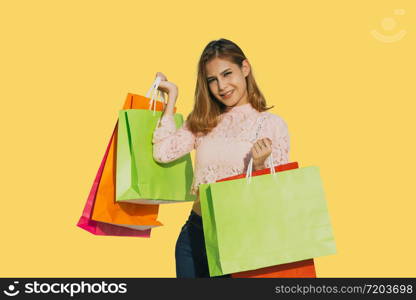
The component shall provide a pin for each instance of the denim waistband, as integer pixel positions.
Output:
(195, 219)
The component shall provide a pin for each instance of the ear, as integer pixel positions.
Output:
(246, 68)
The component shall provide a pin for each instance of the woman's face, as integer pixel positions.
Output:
(227, 81)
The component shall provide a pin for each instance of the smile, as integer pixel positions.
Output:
(227, 95)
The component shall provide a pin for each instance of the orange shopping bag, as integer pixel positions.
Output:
(106, 209)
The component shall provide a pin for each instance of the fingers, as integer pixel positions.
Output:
(262, 147)
(162, 76)
(265, 143)
(257, 149)
(269, 141)
(162, 87)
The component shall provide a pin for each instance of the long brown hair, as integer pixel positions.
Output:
(204, 116)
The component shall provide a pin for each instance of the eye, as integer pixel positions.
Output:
(227, 73)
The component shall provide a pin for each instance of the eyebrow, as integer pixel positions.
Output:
(228, 69)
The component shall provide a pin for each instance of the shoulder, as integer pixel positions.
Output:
(274, 121)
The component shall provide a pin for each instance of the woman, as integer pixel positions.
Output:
(228, 126)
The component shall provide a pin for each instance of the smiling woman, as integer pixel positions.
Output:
(229, 82)
(228, 126)
(223, 68)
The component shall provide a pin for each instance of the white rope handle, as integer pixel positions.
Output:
(153, 93)
(250, 167)
(154, 86)
(250, 164)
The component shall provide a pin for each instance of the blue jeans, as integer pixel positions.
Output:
(190, 253)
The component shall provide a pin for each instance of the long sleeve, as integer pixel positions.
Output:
(276, 129)
(170, 143)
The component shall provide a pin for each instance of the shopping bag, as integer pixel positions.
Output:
(140, 179)
(299, 269)
(106, 209)
(98, 228)
(268, 220)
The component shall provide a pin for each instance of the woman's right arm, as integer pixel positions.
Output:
(170, 143)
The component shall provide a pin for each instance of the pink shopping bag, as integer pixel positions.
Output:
(100, 228)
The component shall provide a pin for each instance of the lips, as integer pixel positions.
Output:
(227, 94)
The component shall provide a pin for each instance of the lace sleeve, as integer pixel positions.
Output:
(170, 143)
(276, 129)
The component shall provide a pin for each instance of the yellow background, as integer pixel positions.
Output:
(347, 97)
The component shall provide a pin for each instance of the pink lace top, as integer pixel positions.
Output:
(226, 150)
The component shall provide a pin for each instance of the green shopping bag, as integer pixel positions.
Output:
(265, 221)
(140, 179)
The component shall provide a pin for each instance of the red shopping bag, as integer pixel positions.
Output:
(299, 269)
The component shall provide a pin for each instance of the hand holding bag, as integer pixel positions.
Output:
(140, 179)
(263, 221)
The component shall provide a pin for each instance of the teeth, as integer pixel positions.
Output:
(227, 93)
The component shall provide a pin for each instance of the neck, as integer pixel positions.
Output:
(243, 100)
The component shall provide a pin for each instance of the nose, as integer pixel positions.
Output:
(221, 84)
